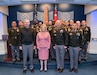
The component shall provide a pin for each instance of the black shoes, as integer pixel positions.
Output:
(71, 69)
(76, 70)
(32, 70)
(14, 61)
(41, 70)
(57, 69)
(85, 59)
(24, 70)
(60, 70)
(79, 61)
(45, 70)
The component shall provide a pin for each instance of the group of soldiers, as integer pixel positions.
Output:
(74, 37)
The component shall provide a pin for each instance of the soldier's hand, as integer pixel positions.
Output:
(54, 47)
(10, 44)
(34, 47)
(20, 47)
(65, 47)
(88, 42)
(80, 48)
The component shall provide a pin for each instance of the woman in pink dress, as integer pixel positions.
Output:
(43, 41)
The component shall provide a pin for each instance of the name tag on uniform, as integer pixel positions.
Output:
(15, 37)
(54, 34)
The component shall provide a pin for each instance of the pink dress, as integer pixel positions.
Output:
(43, 41)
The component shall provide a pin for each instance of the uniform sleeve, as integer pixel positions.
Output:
(52, 37)
(34, 37)
(49, 40)
(20, 38)
(9, 35)
(37, 41)
(81, 40)
(66, 37)
(89, 35)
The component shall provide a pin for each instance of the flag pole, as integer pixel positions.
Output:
(55, 13)
(35, 11)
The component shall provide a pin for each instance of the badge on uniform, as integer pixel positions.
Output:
(78, 34)
(61, 31)
(12, 30)
(50, 28)
(54, 34)
(70, 33)
(68, 29)
(15, 37)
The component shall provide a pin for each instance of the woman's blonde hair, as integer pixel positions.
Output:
(43, 25)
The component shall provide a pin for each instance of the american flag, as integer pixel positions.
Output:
(35, 12)
(66, 15)
(22, 16)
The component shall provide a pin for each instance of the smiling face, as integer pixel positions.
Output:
(13, 24)
(78, 23)
(58, 23)
(43, 28)
(26, 23)
(50, 22)
(83, 23)
(20, 23)
(66, 23)
(74, 26)
(71, 22)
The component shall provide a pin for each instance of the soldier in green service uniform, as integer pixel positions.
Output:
(60, 42)
(79, 27)
(75, 45)
(71, 22)
(20, 26)
(87, 37)
(67, 28)
(13, 40)
(52, 50)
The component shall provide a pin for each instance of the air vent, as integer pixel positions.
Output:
(93, 0)
(1, 0)
(47, 0)
(29, 0)
(64, 0)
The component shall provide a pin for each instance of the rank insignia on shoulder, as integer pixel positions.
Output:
(17, 30)
(86, 29)
(81, 30)
(68, 29)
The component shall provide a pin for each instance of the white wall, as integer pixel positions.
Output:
(89, 8)
(91, 17)
(3, 28)
(4, 10)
